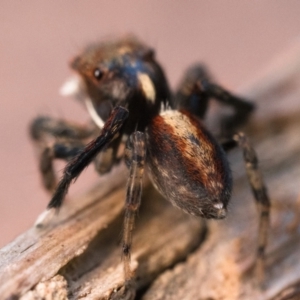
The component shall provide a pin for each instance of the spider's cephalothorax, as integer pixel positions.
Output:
(127, 96)
(123, 73)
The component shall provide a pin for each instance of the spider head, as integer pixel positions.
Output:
(121, 72)
(115, 71)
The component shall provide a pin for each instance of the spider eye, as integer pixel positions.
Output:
(98, 74)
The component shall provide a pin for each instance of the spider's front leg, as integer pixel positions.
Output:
(73, 169)
(68, 141)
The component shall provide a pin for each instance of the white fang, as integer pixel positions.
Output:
(93, 113)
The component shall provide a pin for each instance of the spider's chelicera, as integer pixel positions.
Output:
(128, 97)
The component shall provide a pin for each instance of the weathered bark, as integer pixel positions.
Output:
(78, 255)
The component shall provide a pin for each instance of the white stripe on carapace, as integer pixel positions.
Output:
(147, 86)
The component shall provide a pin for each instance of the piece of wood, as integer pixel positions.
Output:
(78, 256)
(80, 252)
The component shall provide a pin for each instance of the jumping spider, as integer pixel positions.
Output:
(128, 97)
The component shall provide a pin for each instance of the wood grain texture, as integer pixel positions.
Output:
(80, 252)
(78, 256)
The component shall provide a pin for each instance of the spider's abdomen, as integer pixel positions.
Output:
(187, 165)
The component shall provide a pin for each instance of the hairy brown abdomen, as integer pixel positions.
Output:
(187, 165)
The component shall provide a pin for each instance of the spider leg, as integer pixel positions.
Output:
(188, 95)
(73, 169)
(242, 108)
(197, 88)
(63, 150)
(135, 159)
(67, 142)
(261, 197)
(42, 127)
(105, 160)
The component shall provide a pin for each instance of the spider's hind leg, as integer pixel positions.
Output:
(197, 88)
(189, 95)
(261, 197)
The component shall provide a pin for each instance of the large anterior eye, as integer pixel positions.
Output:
(98, 74)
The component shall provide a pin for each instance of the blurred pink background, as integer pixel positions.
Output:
(236, 39)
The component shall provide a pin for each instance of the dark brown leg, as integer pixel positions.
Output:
(135, 159)
(47, 170)
(189, 96)
(64, 150)
(242, 108)
(57, 139)
(196, 89)
(43, 127)
(107, 158)
(262, 200)
(73, 169)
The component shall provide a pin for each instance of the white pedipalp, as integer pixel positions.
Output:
(74, 87)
